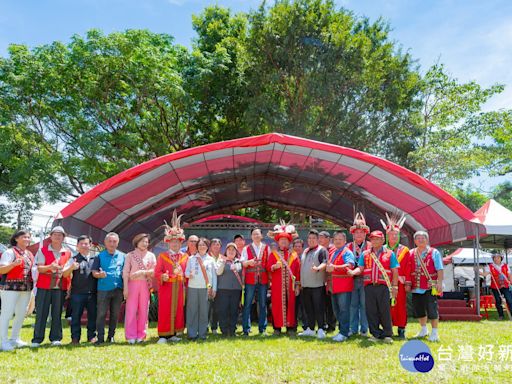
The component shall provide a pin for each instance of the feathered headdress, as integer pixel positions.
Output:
(359, 223)
(283, 230)
(395, 222)
(174, 231)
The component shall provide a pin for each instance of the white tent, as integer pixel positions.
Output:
(497, 221)
(467, 256)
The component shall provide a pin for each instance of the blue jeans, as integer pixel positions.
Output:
(78, 303)
(358, 308)
(341, 309)
(250, 292)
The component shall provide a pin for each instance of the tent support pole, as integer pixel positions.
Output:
(476, 266)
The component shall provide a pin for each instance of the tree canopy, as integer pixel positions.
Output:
(74, 114)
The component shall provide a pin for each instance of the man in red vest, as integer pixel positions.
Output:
(501, 281)
(379, 267)
(399, 310)
(254, 259)
(340, 283)
(55, 266)
(425, 276)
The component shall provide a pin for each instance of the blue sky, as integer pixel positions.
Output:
(473, 38)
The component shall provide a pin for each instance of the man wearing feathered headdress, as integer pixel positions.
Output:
(358, 319)
(169, 273)
(284, 268)
(393, 226)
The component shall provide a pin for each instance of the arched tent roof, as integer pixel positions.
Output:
(226, 218)
(279, 170)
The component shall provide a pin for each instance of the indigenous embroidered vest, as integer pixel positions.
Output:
(419, 277)
(19, 278)
(372, 274)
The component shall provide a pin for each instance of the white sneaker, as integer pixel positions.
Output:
(131, 341)
(35, 345)
(162, 340)
(214, 332)
(307, 332)
(388, 340)
(56, 343)
(339, 337)
(434, 338)
(421, 334)
(350, 333)
(18, 343)
(139, 340)
(320, 334)
(175, 338)
(364, 334)
(7, 346)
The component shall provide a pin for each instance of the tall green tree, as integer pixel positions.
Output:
(323, 73)
(455, 139)
(94, 107)
(216, 77)
(502, 193)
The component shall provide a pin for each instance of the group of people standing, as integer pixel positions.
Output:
(362, 285)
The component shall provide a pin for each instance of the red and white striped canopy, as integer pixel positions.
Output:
(322, 179)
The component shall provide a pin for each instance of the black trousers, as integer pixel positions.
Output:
(330, 318)
(313, 300)
(213, 319)
(497, 297)
(300, 313)
(227, 304)
(378, 310)
(46, 298)
(111, 301)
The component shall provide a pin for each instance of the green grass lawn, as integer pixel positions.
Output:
(263, 360)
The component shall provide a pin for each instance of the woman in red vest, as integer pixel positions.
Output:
(15, 267)
(501, 281)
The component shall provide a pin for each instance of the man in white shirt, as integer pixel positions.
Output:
(254, 258)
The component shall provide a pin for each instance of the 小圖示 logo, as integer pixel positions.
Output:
(415, 356)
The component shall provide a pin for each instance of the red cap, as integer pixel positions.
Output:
(283, 234)
(376, 234)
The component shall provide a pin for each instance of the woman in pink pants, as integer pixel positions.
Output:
(138, 272)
